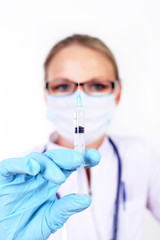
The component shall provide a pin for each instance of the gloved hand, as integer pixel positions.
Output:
(28, 185)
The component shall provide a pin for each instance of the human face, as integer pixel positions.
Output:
(92, 65)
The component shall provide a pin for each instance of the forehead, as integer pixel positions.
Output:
(92, 64)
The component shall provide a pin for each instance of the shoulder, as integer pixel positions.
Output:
(130, 142)
(39, 149)
(133, 148)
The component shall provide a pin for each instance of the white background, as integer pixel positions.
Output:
(29, 28)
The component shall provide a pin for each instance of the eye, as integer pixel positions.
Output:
(99, 87)
(60, 88)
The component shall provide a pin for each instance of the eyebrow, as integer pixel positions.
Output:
(92, 79)
(63, 79)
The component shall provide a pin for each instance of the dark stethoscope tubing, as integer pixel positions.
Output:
(119, 176)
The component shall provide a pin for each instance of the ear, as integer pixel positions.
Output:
(118, 97)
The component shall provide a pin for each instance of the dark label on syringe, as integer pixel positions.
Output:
(80, 129)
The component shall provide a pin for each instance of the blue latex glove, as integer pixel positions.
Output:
(28, 185)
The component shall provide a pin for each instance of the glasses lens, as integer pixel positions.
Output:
(61, 87)
(98, 87)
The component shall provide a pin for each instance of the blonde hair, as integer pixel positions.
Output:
(86, 41)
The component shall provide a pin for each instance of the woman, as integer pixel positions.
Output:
(101, 87)
(126, 180)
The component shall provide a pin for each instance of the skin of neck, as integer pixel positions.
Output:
(63, 142)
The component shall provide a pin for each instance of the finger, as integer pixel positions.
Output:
(32, 164)
(92, 157)
(48, 169)
(24, 165)
(66, 207)
(67, 159)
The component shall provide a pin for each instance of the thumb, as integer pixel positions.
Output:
(65, 207)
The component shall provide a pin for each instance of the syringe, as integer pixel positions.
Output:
(79, 142)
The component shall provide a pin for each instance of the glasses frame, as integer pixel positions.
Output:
(113, 86)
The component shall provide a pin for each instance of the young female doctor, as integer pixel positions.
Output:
(121, 186)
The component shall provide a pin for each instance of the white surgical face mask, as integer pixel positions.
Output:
(99, 111)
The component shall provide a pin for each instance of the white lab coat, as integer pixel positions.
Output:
(141, 174)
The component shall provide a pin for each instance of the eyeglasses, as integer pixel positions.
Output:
(62, 87)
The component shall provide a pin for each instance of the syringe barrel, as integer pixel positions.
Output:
(79, 145)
